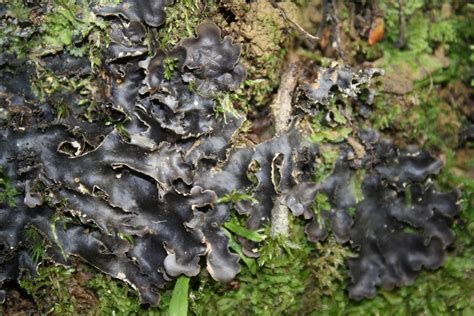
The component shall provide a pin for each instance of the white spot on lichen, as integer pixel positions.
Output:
(82, 188)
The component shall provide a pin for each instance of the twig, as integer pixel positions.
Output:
(281, 105)
(313, 39)
(337, 34)
(280, 223)
(324, 20)
(281, 110)
(401, 42)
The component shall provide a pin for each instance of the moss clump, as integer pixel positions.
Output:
(59, 25)
(435, 58)
(8, 191)
(117, 298)
(422, 118)
(289, 273)
(58, 290)
(181, 20)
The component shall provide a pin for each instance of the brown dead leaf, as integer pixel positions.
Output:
(358, 148)
(377, 31)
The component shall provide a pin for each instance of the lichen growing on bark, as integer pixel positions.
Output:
(128, 133)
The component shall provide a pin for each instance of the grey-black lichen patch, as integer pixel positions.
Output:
(157, 176)
(402, 225)
(149, 12)
(320, 87)
(213, 62)
(109, 196)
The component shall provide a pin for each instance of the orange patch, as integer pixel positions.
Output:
(377, 31)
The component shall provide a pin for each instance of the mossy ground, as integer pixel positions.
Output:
(424, 98)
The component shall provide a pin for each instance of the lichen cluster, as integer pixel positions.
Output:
(160, 189)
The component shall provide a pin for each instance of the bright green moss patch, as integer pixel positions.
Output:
(8, 191)
(435, 57)
(181, 20)
(51, 290)
(35, 244)
(64, 25)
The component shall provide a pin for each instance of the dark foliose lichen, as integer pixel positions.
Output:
(142, 200)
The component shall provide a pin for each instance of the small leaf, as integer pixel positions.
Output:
(244, 232)
(179, 300)
(377, 31)
(249, 262)
(236, 196)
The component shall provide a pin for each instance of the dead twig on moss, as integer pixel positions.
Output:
(313, 39)
(401, 42)
(281, 110)
(337, 32)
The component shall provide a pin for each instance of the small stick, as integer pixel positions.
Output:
(337, 36)
(281, 110)
(324, 20)
(281, 105)
(305, 33)
(401, 42)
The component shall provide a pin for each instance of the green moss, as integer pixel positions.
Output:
(424, 32)
(334, 131)
(117, 298)
(436, 57)
(290, 272)
(236, 196)
(170, 65)
(65, 24)
(49, 290)
(35, 244)
(321, 203)
(8, 192)
(437, 126)
(230, 102)
(326, 163)
(386, 112)
(181, 20)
